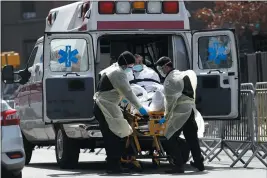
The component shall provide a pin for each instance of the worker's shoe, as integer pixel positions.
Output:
(200, 166)
(175, 170)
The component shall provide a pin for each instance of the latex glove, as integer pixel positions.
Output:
(124, 101)
(143, 111)
(162, 120)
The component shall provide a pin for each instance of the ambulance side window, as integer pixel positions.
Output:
(39, 54)
(32, 57)
(215, 52)
(35, 62)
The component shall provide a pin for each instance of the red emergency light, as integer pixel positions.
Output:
(170, 7)
(106, 7)
(51, 18)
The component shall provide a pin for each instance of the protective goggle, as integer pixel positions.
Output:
(160, 68)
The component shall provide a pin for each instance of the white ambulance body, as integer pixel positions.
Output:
(83, 38)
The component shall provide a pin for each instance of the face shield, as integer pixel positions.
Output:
(161, 69)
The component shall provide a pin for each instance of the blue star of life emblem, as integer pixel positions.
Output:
(217, 53)
(68, 56)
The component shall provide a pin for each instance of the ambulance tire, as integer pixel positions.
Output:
(67, 151)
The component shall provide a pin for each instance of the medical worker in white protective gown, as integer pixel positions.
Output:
(180, 111)
(114, 85)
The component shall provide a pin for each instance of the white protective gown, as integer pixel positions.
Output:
(108, 101)
(198, 117)
(178, 107)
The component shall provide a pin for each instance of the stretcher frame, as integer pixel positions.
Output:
(155, 131)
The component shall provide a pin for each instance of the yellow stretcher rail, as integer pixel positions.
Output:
(10, 58)
(155, 130)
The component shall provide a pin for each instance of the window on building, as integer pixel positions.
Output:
(28, 10)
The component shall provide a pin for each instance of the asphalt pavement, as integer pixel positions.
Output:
(43, 165)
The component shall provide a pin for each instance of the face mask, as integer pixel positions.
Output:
(130, 75)
(138, 68)
(127, 70)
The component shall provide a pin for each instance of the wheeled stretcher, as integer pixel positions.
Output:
(147, 136)
(147, 140)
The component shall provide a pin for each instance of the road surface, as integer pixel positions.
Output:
(43, 165)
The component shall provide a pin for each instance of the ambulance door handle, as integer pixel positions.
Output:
(71, 73)
(215, 70)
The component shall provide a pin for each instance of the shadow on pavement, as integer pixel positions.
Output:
(98, 167)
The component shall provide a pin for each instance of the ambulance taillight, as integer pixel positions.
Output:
(138, 7)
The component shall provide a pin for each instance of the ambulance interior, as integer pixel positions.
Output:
(151, 47)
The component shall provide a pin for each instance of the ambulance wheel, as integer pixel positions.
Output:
(67, 151)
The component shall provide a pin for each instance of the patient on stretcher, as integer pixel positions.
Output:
(151, 96)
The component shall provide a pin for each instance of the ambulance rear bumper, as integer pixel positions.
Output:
(82, 131)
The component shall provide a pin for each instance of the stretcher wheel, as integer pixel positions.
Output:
(131, 163)
(136, 165)
(155, 163)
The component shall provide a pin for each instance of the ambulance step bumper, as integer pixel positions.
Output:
(83, 131)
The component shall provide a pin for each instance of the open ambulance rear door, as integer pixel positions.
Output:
(215, 61)
(68, 80)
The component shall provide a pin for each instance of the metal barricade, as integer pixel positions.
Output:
(247, 86)
(212, 139)
(244, 130)
(261, 121)
(261, 85)
(237, 131)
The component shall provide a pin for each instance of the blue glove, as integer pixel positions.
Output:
(143, 111)
(124, 101)
(162, 120)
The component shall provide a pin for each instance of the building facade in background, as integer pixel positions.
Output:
(22, 23)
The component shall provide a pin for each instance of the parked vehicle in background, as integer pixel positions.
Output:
(12, 152)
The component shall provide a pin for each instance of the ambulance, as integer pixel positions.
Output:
(83, 38)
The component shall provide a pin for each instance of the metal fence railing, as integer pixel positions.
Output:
(250, 132)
